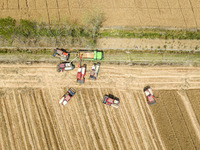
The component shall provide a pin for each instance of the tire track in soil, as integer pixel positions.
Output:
(14, 121)
(100, 132)
(32, 141)
(4, 139)
(136, 113)
(151, 122)
(137, 134)
(114, 135)
(77, 125)
(66, 128)
(190, 112)
(128, 121)
(88, 122)
(44, 129)
(102, 121)
(184, 120)
(76, 104)
(94, 119)
(53, 119)
(119, 123)
(59, 119)
(72, 127)
(23, 127)
(145, 116)
(177, 119)
(34, 120)
(106, 124)
(48, 124)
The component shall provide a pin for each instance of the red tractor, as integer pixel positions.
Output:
(110, 100)
(67, 96)
(149, 95)
(61, 53)
(81, 72)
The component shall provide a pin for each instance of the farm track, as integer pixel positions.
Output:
(32, 118)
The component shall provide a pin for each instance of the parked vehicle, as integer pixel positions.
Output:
(91, 54)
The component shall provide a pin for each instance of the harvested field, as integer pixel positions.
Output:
(32, 118)
(161, 13)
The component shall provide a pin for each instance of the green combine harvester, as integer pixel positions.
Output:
(91, 54)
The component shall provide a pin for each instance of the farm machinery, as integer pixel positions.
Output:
(111, 100)
(149, 95)
(95, 70)
(66, 66)
(81, 72)
(67, 96)
(61, 53)
(91, 54)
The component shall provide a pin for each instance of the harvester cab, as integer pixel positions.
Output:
(67, 96)
(111, 100)
(95, 70)
(61, 53)
(81, 72)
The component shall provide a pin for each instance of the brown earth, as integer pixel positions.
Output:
(32, 118)
(141, 13)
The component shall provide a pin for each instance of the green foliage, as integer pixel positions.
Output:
(27, 28)
(7, 27)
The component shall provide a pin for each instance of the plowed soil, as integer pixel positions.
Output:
(142, 13)
(32, 118)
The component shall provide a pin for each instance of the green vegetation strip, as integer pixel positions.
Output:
(11, 29)
(150, 34)
(147, 57)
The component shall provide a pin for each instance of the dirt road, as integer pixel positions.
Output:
(32, 118)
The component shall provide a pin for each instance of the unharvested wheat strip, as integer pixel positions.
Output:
(34, 121)
(114, 134)
(154, 125)
(136, 114)
(67, 133)
(89, 122)
(126, 120)
(74, 123)
(56, 118)
(70, 125)
(14, 120)
(85, 144)
(8, 127)
(104, 124)
(119, 124)
(21, 120)
(133, 124)
(48, 125)
(73, 135)
(171, 124)
(96, 122)
(54, 123)
(24, 113)
(147, 126)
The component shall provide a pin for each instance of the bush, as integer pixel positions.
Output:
(7, 27)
